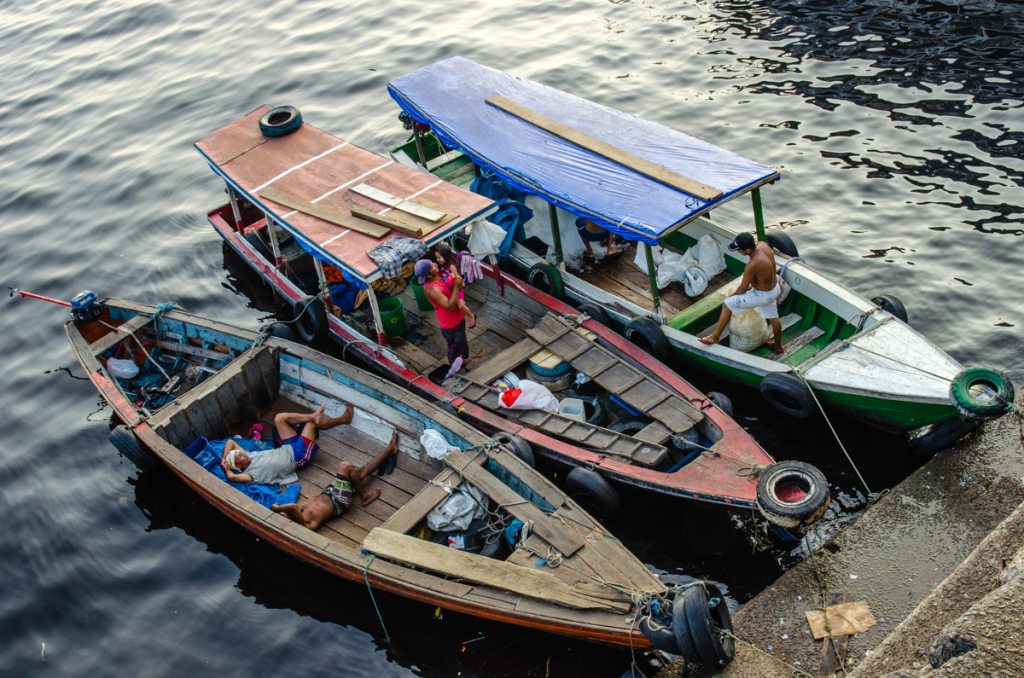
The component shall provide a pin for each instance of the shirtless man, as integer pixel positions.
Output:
(337, 497)
(759, 288)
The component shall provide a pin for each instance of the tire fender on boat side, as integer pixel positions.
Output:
(280, 121)
(596, 313)
(127, 444)
(792, 494)
(981, 393)
(281, 331)
(662, 637)
(937, 437)
(598, 490)
(517, 446)
(707, 614)
(254, 239)
(722, 401)
(681, 629)
(893, 305)
(546, 278)
(648, 335)
(311, 320)
(788, 394)
(781, 242)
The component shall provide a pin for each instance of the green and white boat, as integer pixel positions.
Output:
(654, 186)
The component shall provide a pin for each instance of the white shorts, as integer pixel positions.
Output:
(763, 301)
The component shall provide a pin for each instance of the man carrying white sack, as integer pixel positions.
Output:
(759, 288)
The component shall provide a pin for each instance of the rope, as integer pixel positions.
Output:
(751, 471)
(374, 600)
(823, 594)
(797, 672)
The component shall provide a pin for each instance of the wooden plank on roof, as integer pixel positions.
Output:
(495, 573)
(549, 529)
(388, 222)
(398, 203)
(424, 226)
(325, 213)
(624, 158)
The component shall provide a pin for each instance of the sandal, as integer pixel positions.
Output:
(256, 432)
(388, 466)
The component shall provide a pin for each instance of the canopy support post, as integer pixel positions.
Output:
(755, 196)
(556, 236)
(233, 197)
(653, 275)
(273, 240)
(375, 310)
(324, 292)
(419, 143)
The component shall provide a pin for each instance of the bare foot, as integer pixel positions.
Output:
(708, 340)
(774, 347)
(318, 416)
(393, 445)
(346, 416)
(370, 496)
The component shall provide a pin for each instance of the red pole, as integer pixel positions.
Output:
(36, 296)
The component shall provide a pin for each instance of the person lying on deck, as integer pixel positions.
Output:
(759, 288)
(591, 232)
(338, 496)
(271, 467)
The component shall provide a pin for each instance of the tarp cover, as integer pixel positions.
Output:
(450, 96)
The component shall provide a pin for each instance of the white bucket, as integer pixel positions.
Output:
(572, 408)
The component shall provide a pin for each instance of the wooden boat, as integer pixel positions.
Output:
(654, 186)
(682, 444)
(202, 380)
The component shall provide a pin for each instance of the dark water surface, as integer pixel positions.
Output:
(897, 127)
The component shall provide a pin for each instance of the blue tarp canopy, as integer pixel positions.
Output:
(450, 96)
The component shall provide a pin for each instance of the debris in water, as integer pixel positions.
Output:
(853, 576)
(43, 654)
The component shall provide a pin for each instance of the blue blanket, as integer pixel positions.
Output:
(264, 494)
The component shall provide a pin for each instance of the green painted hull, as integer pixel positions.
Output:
(891, 415)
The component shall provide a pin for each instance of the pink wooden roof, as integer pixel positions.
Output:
(318, 167)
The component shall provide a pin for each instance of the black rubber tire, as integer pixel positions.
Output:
(546, 278)
(129, 446)
(596, 313)
(599, 414)
(629, 427)
(891, 304)
(519, 447)
(792, 514)
(781, 242)
(722, 401)
(280, 121)
(681, 629)
(254, 239)
(311, 320)
(684, 441)
(938, 437)
(663, 638)
(555, 384)
(967, 397)
(494, 549)
(598, 490)
(704, 623)
(646, 334)
(788, 394)
(281, 331)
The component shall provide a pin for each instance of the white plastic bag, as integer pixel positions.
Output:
(710, 256)
(640, 260)
(532, 396)
(671, 268)
(486, 238)
(123, 368)
(457, 511)
(435, 444)
(747, 330)
(695, 281)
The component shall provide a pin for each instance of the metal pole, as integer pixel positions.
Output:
(376, 315)
(755, 196)
(556, 236)
(234, 208)
(324, 292)
(419, 143)
(273, 240)
(652, 273)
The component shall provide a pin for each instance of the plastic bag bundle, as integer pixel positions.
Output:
(710, 256)
(747, 330)
(435, 444)
(123, 368)
(457, 511)
(695, 281)
(529, 396)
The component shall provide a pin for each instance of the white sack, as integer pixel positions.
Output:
(695, 281)
(485, 238)
(640, 260)
(710, 256)
(533, 396)
(747, 330)
(457, 511)
(435, 444)
(671, 268)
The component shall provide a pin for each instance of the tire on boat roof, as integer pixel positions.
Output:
(595, 488)
(781, 242)
(937, 437)
(893, 305)
(280, 121)
(629, 427)
(546, 278)
(128, 445)
(517, 446)
(596, 313)
(254, 239)
(792, 494)
(598, 414)
(981, 393)
(722, 401)
(281, 331)
(788, 394)
(311, 320)
(661, 637)
(707, 614)
(554, 383)
(647, 334)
